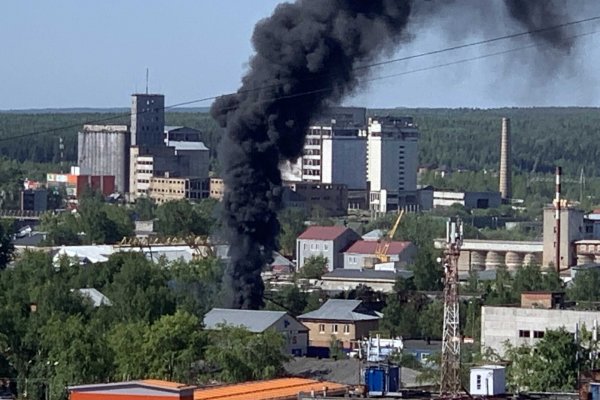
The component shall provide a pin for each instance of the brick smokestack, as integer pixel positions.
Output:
(505, 161)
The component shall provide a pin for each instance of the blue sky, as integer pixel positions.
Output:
(69, 53)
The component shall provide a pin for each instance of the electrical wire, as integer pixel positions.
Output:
(376, 64)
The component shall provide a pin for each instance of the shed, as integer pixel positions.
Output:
(488, 380)
(142, 389)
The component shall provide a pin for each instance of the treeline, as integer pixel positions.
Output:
(457, 138)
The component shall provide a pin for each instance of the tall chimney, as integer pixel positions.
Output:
(557, 204)
(505, 161)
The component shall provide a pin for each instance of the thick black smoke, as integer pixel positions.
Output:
(305, 58)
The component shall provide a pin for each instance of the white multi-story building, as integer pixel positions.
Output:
(392, 161)
(334, 151)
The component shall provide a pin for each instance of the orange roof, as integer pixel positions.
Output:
(274, 389)
(164, 384)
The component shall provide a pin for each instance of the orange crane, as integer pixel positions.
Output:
(381, 252)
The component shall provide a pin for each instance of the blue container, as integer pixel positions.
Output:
(595, 391)
(375, 380)
(394, 379)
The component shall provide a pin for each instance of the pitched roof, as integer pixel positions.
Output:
(98, 298)
(148, 387)
(369, 247)
(254, 320)
(280, 389)
(341, 310)
(323, 232)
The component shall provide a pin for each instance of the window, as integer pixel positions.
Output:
(478, 382)
(322, 328)
(524, 334)
(352, 259)
(538, 334)
(325, 247)
(334, 328)
(305, 246)
(346, 329)
(314, 246)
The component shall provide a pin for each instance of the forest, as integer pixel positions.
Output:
(457, 138)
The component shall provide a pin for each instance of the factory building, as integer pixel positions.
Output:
(472, 200)
(538, 312)
(392, 156)
(147, 119)
(103, 150)
(163, 189)
(334, 150)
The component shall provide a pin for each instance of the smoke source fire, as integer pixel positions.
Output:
(305, 59)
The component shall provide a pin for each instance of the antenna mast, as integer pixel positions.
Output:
(147, 73)
(450, 384)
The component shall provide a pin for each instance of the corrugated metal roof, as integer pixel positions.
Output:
(98, 299)
(369, 247)
(323, 232)
(341, 310)
(367, 274)
(280, 389)
(180, 145)
(254, 320)
(375, 234)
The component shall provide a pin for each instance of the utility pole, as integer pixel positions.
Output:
(450, 384)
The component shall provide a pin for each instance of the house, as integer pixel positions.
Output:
(328, 241)
(337, 319)
(361, 254)
(258, 321)
(143, 389)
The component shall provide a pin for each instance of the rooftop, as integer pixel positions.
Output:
(98, 298)
(280, 389)
(369, 247)
(367, 275)
(254, 320)
(123, 386)
(323, 232)
(341, 310)
(187, 146)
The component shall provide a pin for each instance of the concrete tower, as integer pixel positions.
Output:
(505, 161)
(147, 119)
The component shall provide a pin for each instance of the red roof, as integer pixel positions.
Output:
(323, 232)
(369, 247)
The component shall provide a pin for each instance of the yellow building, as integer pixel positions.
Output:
(163, 189)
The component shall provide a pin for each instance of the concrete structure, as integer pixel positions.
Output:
(392, 155)
(103, 150)
(334, 150)
(143, 389)
(75, 184)
(216, 188)
(445, 198)
(34, 200)
(572, 229)
(344, 320)
(491, 254)
(274, 389)
(333, 198)
(147, 119)
(361, 254)
(519, 325)
(328, 241)
(488, 380)
(179, 160)
(166, 189)
(505, 184)
(181, 134)
(342, 279)
(258, 321)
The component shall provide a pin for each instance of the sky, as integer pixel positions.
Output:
(69, 53)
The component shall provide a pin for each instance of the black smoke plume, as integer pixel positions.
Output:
(306, 54)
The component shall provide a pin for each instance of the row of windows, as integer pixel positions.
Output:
(316, 246)
(528, 334)
(334, 328)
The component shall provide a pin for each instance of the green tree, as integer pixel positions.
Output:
(428, 272)
(241, 355)
(6, 247)
(144, 209)
(586, 286)
(180, 342)
(290, 298)
(182, 218)
(292, 225)
(550, 365)
(336, 349)
(314, 267)
(126, 341)
(431, 320)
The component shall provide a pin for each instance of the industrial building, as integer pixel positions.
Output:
(75, 183)
(331, 197)
(164, 189)
(363, 254)
(103, 150)
(216, 188)
(471, 200)
(181, 134)
(334, 151)
(258, 321)
(34, 200)
(392, 157)
(539, 311)
(147, 119)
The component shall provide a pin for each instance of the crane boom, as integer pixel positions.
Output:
(383, 246)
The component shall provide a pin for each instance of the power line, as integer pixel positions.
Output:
(386, 62)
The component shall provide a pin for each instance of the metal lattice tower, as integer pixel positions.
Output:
(450, 367)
